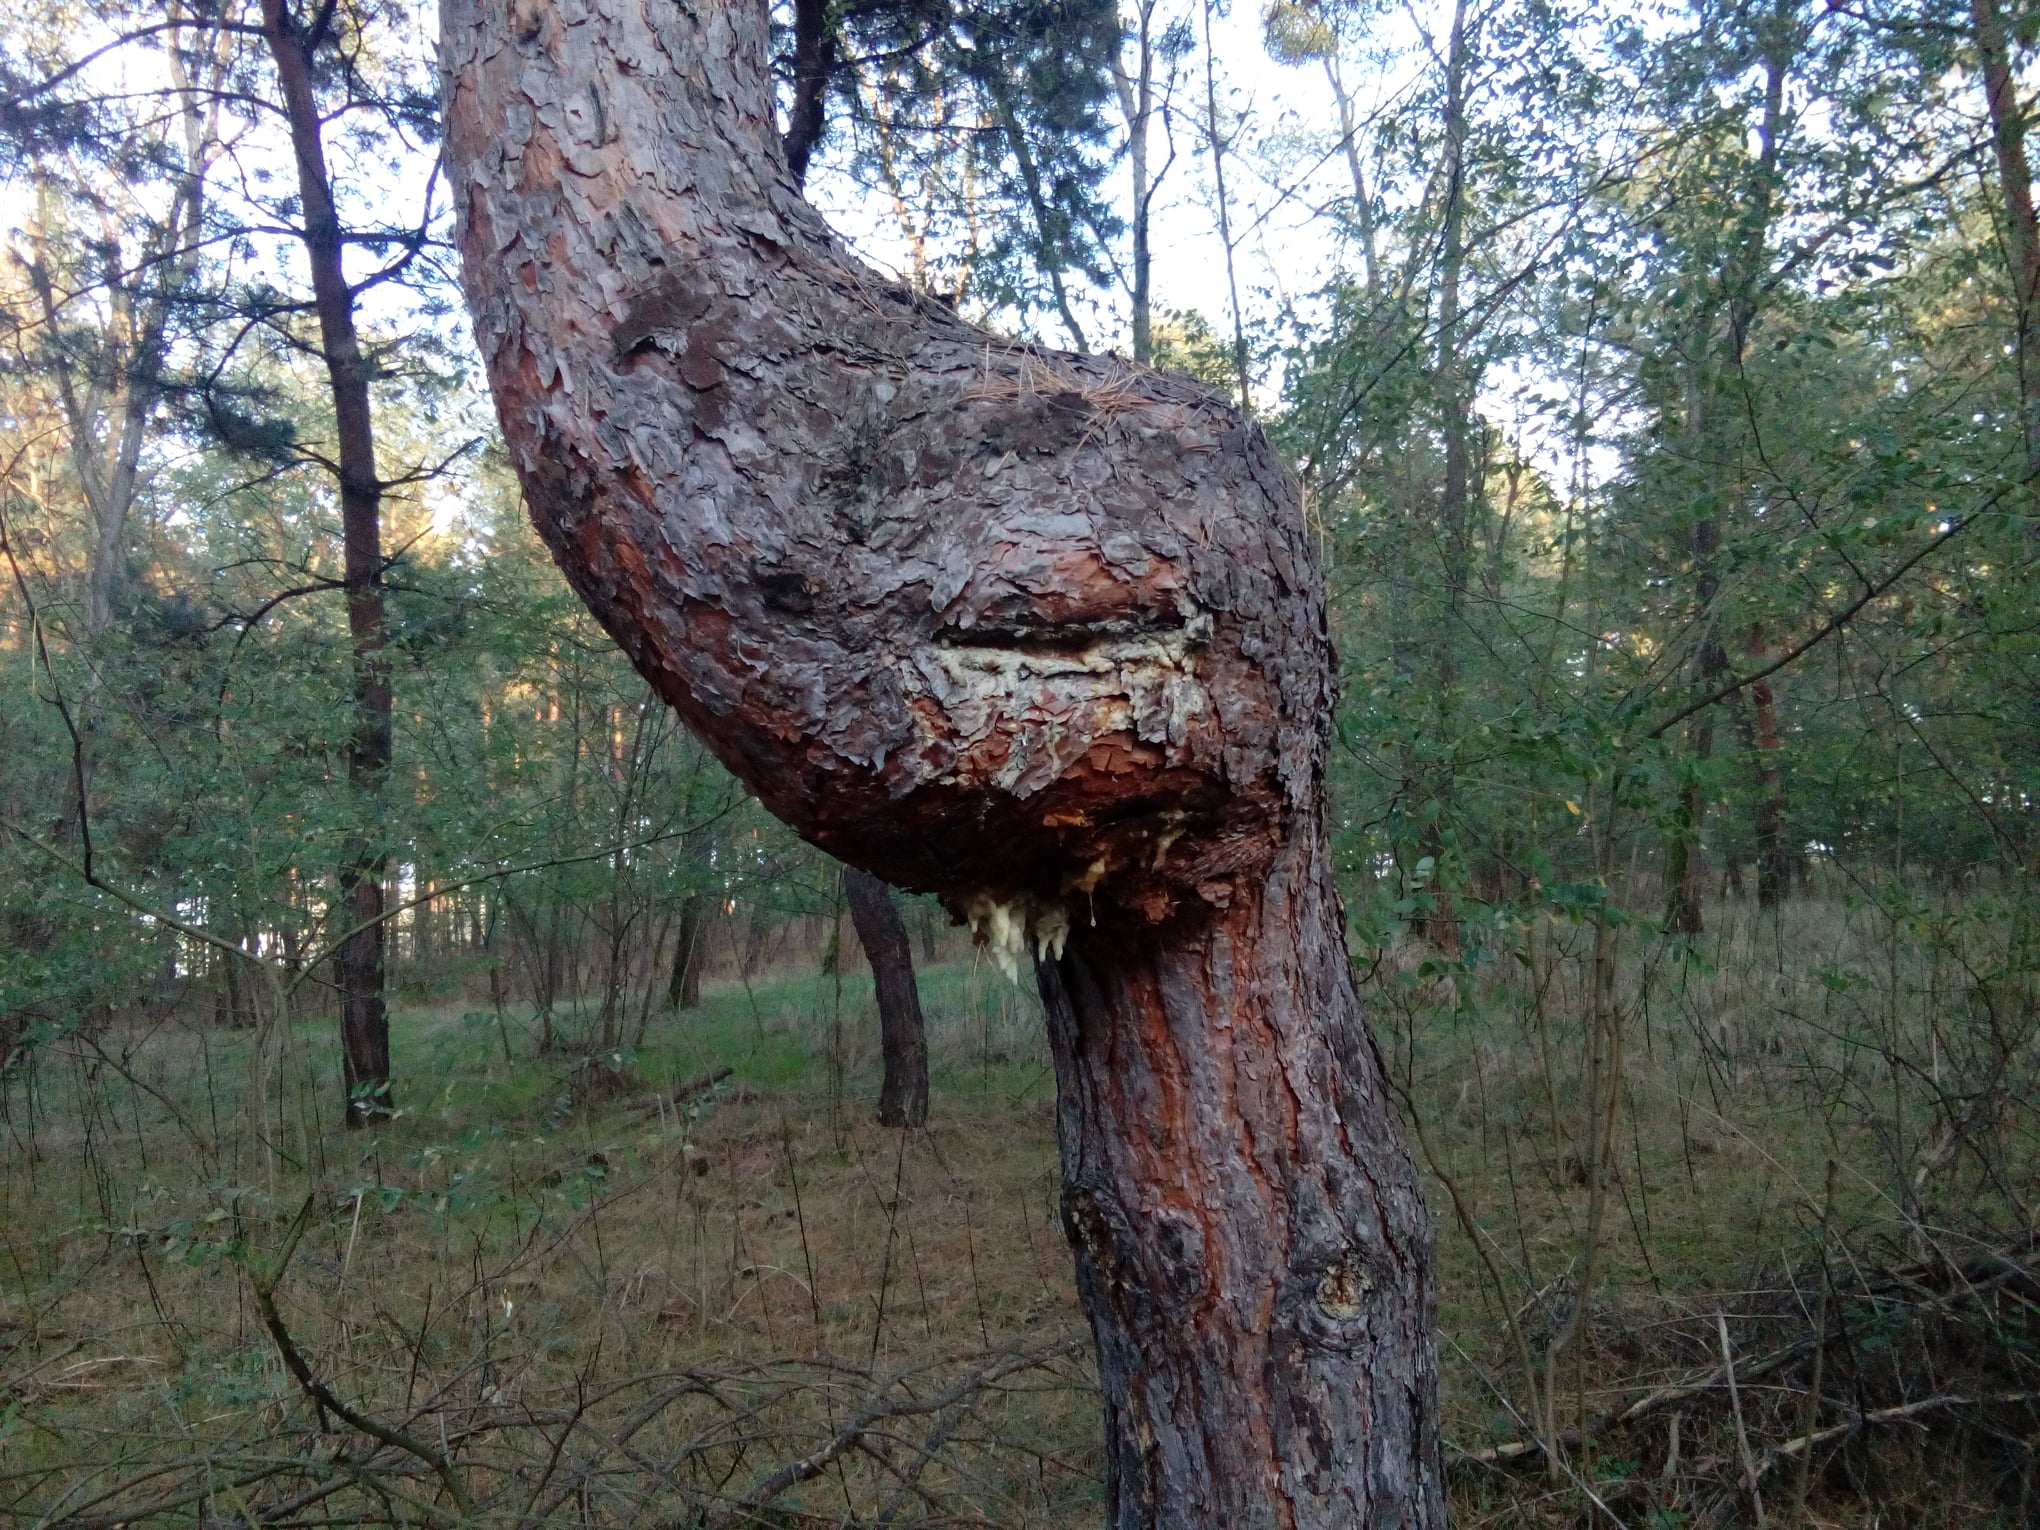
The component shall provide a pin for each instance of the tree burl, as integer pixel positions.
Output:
(1042, 634)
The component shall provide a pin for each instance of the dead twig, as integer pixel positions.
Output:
(264, 1290)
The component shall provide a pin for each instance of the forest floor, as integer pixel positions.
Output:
(716, 1293)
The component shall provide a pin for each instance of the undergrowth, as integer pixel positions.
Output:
(1735, 1229)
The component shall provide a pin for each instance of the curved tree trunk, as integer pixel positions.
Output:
(902, 1037)
(1041, 634)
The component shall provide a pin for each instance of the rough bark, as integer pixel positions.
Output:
(902, 1036)
(359, 964)
(1042, 634)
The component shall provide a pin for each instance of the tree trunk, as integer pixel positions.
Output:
(1250, 1245)
(359, 963)
(1041, 634)
(1217, 143)
(1774, 868)
(2015, 183)
(814, 64)
(1722, 494)
(1137, 105)
(1456, 493)
(755, 932)
(684, 990)
(902, 1038)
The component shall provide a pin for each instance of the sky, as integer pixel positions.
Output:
(1284, 170)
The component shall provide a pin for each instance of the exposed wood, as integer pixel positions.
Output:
(1042, 634)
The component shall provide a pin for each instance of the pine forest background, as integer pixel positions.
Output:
(1664, 381)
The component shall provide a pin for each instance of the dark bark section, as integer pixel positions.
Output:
(902, 1036)
(1709, 411)
(1041, 634)
(358, 966)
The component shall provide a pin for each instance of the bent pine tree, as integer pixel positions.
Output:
(1041, 634)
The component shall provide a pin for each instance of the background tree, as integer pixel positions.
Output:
(993, 112)
(903, 1038)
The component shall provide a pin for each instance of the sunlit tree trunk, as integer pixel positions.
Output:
(1136, 87)
(1043, 634)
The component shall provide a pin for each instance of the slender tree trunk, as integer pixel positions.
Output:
(359, 964)
(1686, 870)
(902, 1037)
(1137, 106)
(1215, 141)
(1707, 430)
(1774, 870)
(814, 64)
(1363, 199)
(1455, 494)
(755, 932)
(1042, 634)
(2015, 184)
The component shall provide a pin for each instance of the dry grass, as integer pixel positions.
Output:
(615, 1314)
(1741, 1137)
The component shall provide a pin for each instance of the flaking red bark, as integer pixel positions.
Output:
(902, 1035)
(1041, 634)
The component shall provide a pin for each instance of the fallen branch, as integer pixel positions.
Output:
(1903, 1413)
(301, 1371)
(1976, 1275)
(680, 1097)
(879, 1408)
